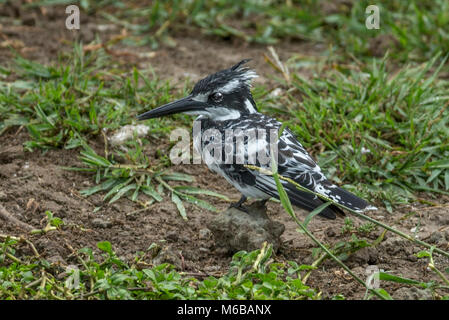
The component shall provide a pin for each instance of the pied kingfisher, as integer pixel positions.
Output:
(223, 102)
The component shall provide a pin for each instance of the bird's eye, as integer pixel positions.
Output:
(217, 96)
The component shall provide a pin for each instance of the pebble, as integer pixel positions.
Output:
(205, 234)
(235, 230)
(204, 250)
(435, 237)
(330, 232)
(101, 223)
(172, 236)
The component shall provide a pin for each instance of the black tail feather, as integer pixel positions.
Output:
(302, 199)
(309, 202)
(345, 198)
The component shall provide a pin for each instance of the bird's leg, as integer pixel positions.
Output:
(239, 204)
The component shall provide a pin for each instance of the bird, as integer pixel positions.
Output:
(223, 103)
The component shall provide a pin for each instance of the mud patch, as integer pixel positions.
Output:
(188, 244)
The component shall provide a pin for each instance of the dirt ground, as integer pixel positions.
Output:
(31, 183)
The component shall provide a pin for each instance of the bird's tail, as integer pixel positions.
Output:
(343, 197)
(309, 202)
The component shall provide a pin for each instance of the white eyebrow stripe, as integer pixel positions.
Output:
(230, 86)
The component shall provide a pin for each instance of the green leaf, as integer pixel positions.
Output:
(117, 187)
(122, 191)
(423, 254)
(105, 246)
(94, 159)
(149, 190)
(315, 212)
(198, 202)
(101, 187)
(442, 164)
(389, 277)
(384, 293)
(178, 202)
(195, 190)
(446, 179)
(177, 177)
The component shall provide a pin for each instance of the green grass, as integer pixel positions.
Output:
(64, 107)
(418, 29)
(384, 135)
(79, 98)
(251, 275)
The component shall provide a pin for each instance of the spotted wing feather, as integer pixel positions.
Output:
(293, 162)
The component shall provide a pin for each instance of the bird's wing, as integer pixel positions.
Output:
(295, 163)
(302, 199)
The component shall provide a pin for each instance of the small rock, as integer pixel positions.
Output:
(168, 255)
(212, 268)
(276, 93)
(412, 293)
(205, 234)
(57, 259)
(367, 255)
(3, 196)
(204, 250)
(235, 230)
(172, 236)
(184, 239)
(396, 246)
(127, 132)
(101, 223)
(446, 234)
(435, 237)
(330, 232)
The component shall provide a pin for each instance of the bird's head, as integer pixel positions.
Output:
(220, 96)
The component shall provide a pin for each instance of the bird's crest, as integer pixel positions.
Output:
(227, 80)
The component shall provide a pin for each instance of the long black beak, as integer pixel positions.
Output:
(182, 105)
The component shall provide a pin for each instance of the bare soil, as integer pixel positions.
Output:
(31, 183)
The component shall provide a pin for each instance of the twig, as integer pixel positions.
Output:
(33, 248)
(277, 64)
(435, 269)
(9, 217)
(315, 264)
(20, 239)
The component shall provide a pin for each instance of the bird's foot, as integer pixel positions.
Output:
(239, 205)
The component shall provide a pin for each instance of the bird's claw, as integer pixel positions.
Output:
(239, 206)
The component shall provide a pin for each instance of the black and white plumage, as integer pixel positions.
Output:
(224, 104)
